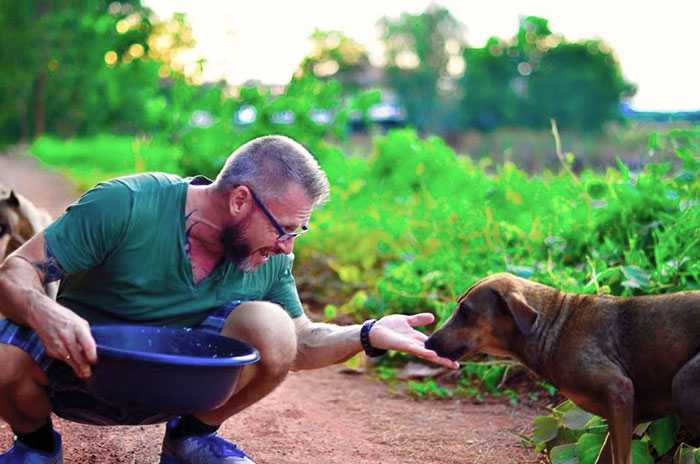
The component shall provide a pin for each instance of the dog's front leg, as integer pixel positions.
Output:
(605, 454)
(620, 416)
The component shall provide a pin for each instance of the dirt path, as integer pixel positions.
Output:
(323, 416)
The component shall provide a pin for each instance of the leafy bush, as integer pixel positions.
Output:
(573, 436)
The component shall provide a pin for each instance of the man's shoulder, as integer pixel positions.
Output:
(146, 181)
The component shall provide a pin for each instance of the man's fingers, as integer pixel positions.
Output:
(80, 347)
(429, 355)
(421, 319)
(78, 361)
(434, 358)
(87, 343)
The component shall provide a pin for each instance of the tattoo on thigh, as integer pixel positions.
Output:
(50, 267)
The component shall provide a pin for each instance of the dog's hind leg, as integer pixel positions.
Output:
(619, 405)
(685, 392)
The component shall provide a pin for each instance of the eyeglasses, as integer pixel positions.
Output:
(282, 234)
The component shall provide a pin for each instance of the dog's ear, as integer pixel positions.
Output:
(12, 200)
(523, 314)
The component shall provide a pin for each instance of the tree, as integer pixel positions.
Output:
(538, 75)
(421, 51)
(336, 56)
(77, 67)
(579, 85)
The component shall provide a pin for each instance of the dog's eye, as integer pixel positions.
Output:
(4, 229)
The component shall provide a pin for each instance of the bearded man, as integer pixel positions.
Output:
(158, 249)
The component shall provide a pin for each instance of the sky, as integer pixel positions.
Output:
(657, 43)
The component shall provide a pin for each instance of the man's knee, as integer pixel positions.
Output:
(23, 398)
(18, 366)
(269, 329)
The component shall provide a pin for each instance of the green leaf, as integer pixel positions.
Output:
(545, 428)
(686, 455)
(640, 453)
(588, 446)
(564, 454)
(597, 189)
(636, 277)
(521, 271)
(330, 312)
(662, 434)
(565, 406)
(576, 419)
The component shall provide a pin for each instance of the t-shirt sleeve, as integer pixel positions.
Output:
(91, 228)
(284, 289)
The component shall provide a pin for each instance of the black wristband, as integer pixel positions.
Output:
(369, 350)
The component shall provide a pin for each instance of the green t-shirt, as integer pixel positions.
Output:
(122, 246)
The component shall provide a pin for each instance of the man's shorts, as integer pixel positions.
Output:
(69, 395)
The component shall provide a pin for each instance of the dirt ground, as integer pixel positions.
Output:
(324, 416)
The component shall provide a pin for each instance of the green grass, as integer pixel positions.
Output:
(90, 160)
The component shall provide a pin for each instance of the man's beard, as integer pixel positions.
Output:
(236, 247)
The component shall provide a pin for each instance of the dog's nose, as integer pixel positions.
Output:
(430, 343)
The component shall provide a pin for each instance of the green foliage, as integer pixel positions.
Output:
(56, 78)
(91, 160)
(571, 435)
(337, 56)
(538, 75)
(418, 50)
(428, 389)
(207, 148)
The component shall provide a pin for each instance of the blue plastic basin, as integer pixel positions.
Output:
(177, 371)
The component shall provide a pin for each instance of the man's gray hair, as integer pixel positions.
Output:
(269, 164)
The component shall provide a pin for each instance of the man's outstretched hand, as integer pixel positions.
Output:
(396, 332)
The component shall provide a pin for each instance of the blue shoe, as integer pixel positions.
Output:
(199, 449)
(22, 454)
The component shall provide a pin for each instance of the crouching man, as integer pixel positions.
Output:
(158, 249)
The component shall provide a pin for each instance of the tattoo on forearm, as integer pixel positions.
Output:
(50, 268)
(321, 330)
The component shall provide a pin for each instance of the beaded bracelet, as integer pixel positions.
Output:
(369, 350)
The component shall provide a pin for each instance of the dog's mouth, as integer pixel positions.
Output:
(458, 354)
(446, 348)
(453, 355)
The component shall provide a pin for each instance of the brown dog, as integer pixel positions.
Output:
(19, 221)
(629, 360)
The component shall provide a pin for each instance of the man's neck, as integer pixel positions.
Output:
(203, 230)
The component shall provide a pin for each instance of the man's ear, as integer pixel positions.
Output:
(12, 200)
(238, 198)
(523, 314)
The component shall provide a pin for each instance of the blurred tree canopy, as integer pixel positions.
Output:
(78, 67)
(423, 55)
(86, 66)
(538, 75)
(336, 56)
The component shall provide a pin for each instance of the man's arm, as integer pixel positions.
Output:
(23, 299)
(320, 344)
